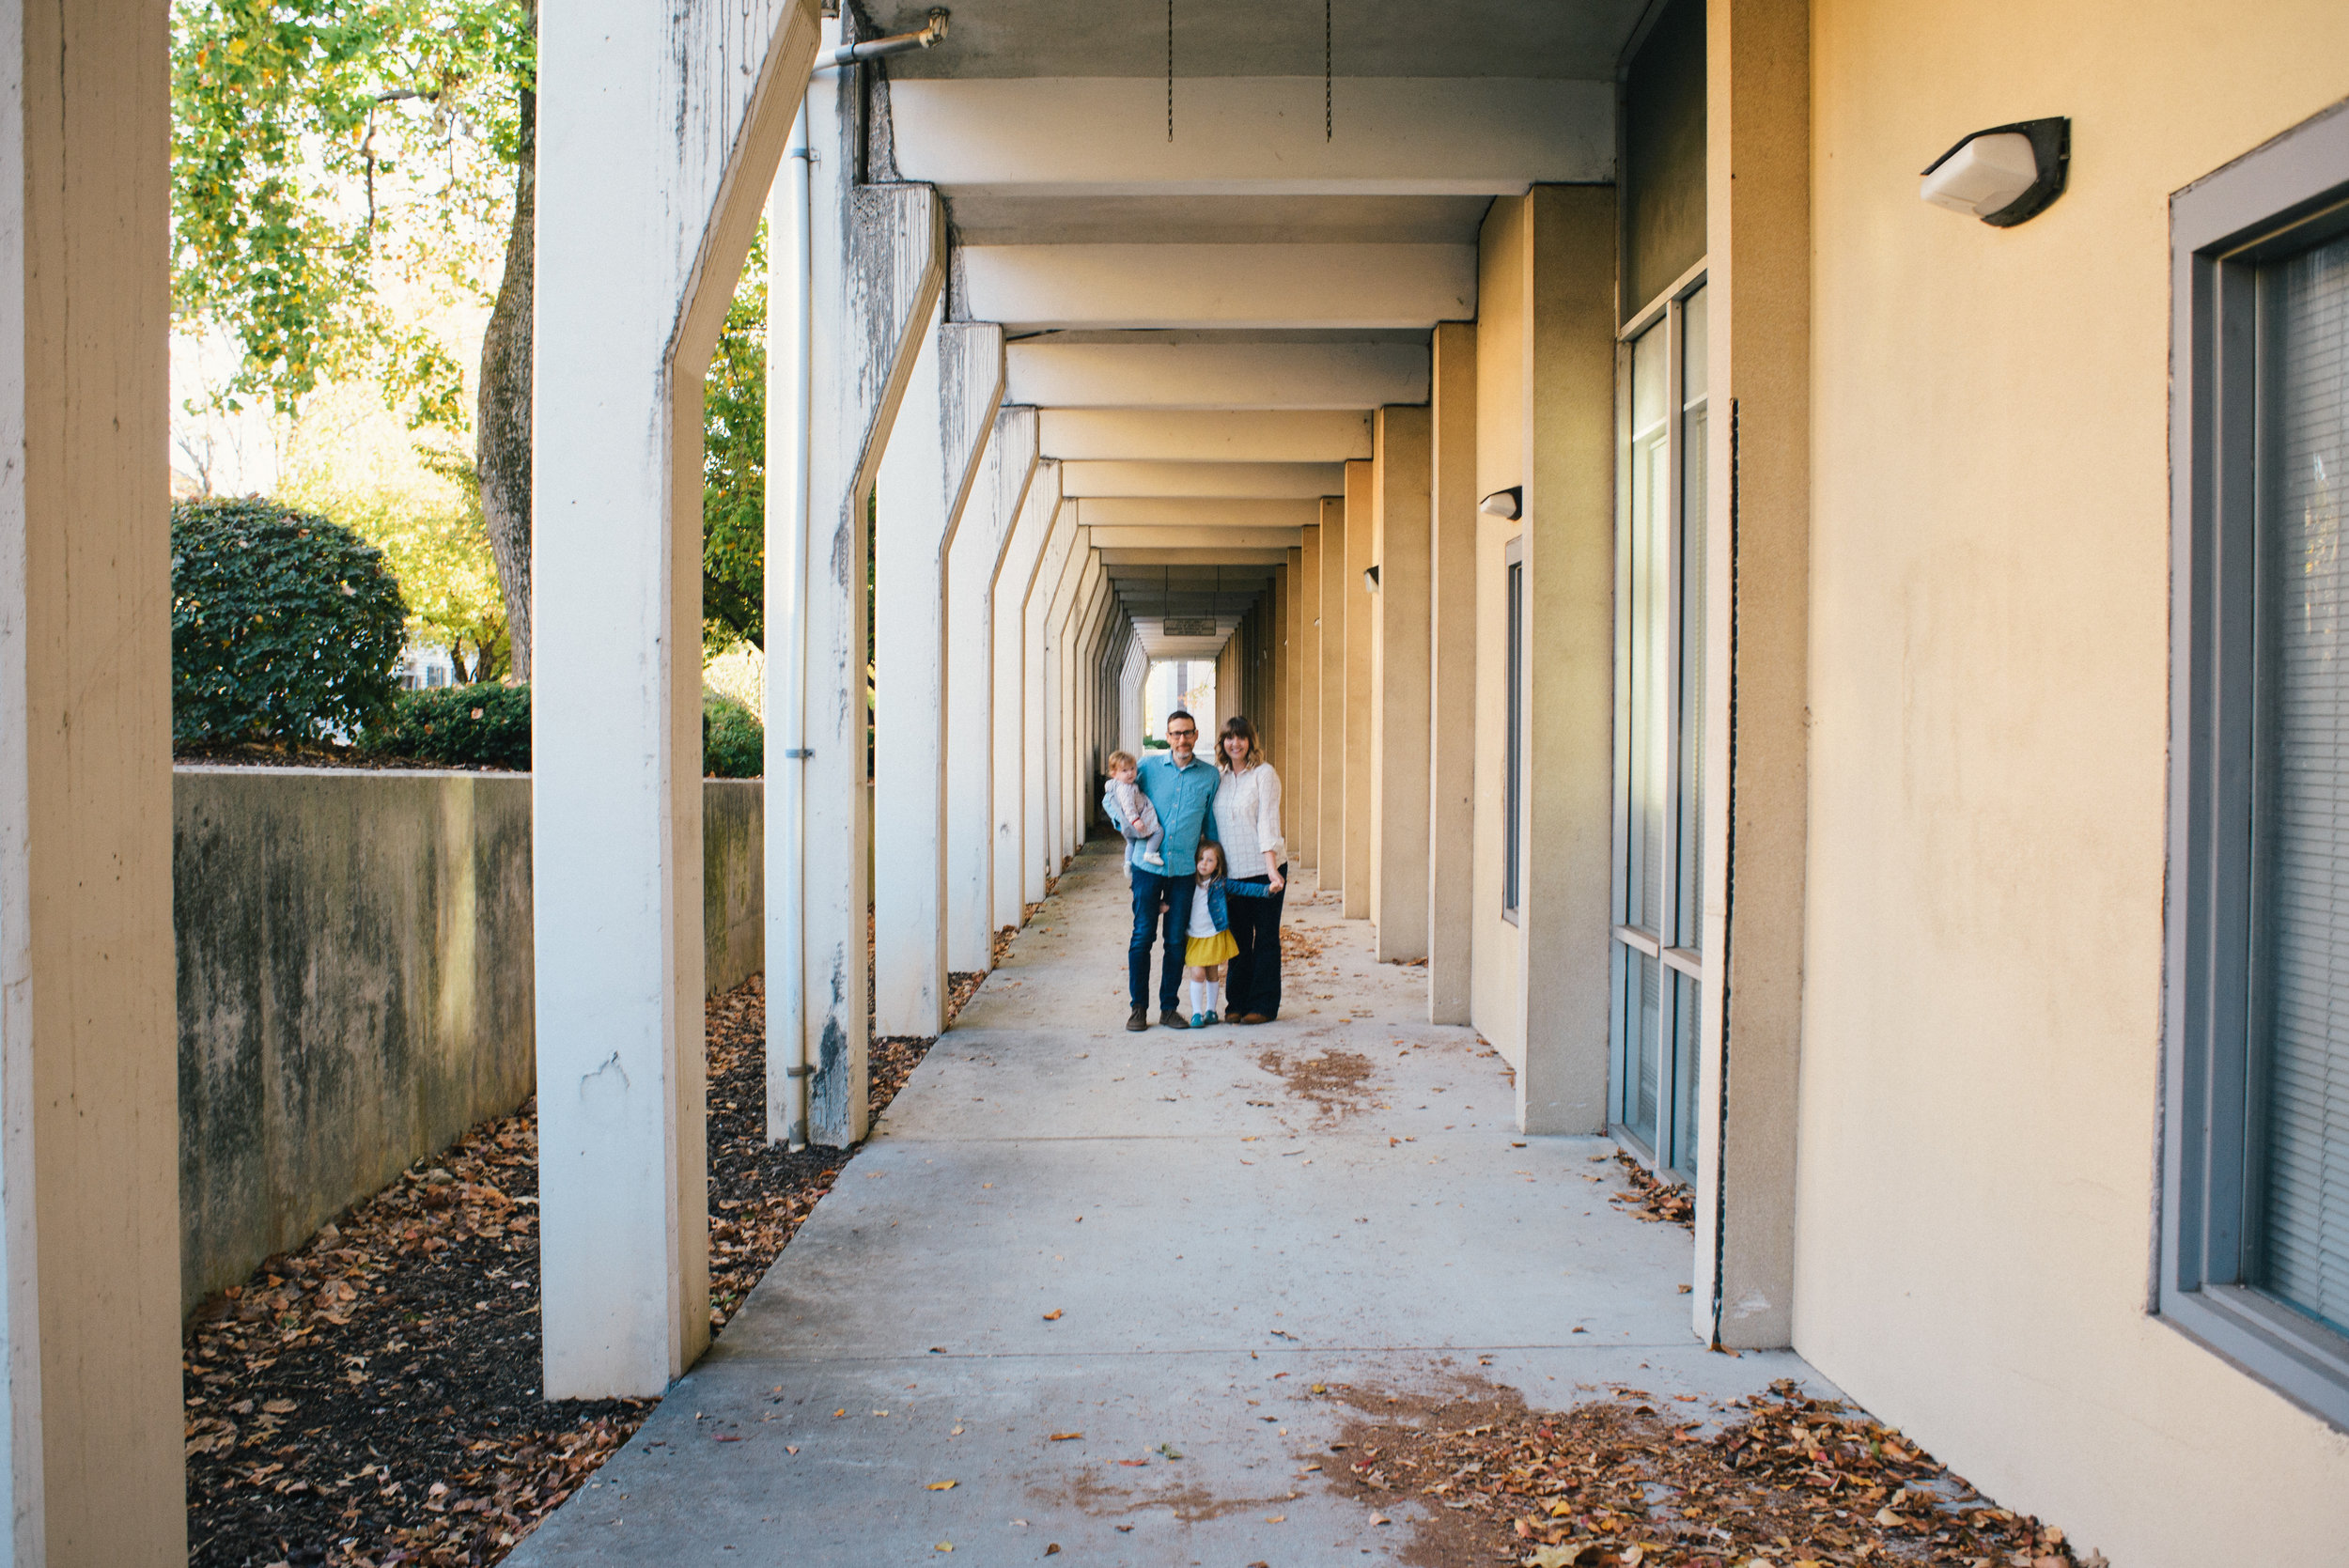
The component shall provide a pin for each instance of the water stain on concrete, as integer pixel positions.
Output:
(1337, 1084)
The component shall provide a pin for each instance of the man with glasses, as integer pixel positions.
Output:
(1180, 787)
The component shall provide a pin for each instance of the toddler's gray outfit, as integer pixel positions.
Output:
(1143, 846)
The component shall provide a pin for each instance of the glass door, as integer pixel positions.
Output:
(1659, 731)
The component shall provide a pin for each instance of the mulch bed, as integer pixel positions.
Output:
(1637, 1481)
(372, 1398)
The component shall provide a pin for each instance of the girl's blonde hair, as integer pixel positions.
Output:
(1222, 870)
(1121, 759)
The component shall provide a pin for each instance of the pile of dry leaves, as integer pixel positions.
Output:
(1653, 1200)
(1791, 1482)
(372, 1398)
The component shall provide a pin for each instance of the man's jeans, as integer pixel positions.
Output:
(1149, 888)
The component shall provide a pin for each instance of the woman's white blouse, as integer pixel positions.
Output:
(1248, 820)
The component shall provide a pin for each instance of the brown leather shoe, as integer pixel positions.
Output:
(1173, 1019)
(1251, 1017)
(1138, 1020)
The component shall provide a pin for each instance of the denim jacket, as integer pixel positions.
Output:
(1223, 887)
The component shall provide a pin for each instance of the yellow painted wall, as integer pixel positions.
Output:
(1989, 665)
(1498, 966)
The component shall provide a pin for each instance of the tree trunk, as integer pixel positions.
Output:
(502, 440)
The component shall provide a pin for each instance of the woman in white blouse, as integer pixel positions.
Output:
(1248, 822)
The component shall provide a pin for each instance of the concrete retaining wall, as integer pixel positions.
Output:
(355, 982)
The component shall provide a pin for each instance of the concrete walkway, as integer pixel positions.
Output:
(1159, 1241)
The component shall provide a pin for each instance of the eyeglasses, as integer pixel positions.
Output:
(1182, 734)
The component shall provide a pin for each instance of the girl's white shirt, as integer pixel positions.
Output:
(1248, 818)
(1202, 918)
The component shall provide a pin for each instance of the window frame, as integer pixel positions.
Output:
(1513, 741)
(2288, 194)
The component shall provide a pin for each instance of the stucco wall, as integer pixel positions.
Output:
(1989, 662)
(355, 982)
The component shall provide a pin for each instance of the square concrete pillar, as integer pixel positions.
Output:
(1355, 603)
(1014, 584)
(1330, 805)
(89, 1175)
(1758, 296)
(926, 474)
(1399, 683)
(977, 568)
(1300, 772)
(1451, 676)
(1064, 562)
(641, 237)
(1569, 530)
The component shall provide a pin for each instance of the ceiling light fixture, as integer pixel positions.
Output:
(1503, 504)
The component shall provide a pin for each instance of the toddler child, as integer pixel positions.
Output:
(1126, 800)
(1211, 943)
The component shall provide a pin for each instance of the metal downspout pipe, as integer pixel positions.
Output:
(786, 972)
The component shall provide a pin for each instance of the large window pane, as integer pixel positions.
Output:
(1651, 477)
(2301, 799)
(1688, 908)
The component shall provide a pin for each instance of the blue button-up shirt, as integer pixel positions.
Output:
(1181, 796)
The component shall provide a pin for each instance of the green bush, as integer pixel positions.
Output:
(461, 726)
(283, 626)
(734, 743)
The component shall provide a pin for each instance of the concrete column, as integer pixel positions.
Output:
(1130, 675)
(1329, 806)
(1300, 775)
(1274, 732)
(1355, 603)
(1075, 635)
(658, 137)
(978, 567)
(1047, 603)
(1758, 214)
(879, 255)
(926, 474)
(90, 1188)
(1398, 684)
(1452, 675)
(1569, 530)
(1013, 656)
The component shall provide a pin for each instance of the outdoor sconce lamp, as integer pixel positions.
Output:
(2003, 174)
(1503, 504)
(1370, 579)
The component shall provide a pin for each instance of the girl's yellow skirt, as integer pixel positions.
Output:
(1201, 952)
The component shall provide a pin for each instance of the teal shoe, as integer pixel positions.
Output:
(1215, 1018)
(1201, 1020)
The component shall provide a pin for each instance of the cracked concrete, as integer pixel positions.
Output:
(1070, 1254)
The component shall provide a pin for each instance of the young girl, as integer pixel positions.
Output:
(1211, 944)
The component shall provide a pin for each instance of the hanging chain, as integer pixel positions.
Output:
(1328, 117)
(1170, 70)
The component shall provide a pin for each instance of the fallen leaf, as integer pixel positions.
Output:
(1066, 1437)
(1276, 1519)
(945, 1545)
(1133, 1463)
(1053, 1549)
(790, 1449)
(727, 1437)
(279, 1407)
(943, 1486)
(1052, 1316)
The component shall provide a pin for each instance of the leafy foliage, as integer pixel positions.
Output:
(440, 555)
(283, 626)
(734, 743)
(321, 149)
(734, 469)
(483, 725)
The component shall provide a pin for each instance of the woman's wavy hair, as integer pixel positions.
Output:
(1237, 724)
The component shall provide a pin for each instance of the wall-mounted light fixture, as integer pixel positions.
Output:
(2003, 174)
(1503, 504)
(1370, 579)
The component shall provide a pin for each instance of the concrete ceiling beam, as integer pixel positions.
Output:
(1219, 555)
(1227, 481)
(1159, 287)
(1098, 136)
(1214, 517)
(1327, 436)
(1198, 538)
(1217, 376)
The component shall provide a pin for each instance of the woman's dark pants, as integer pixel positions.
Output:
(1253, 984)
